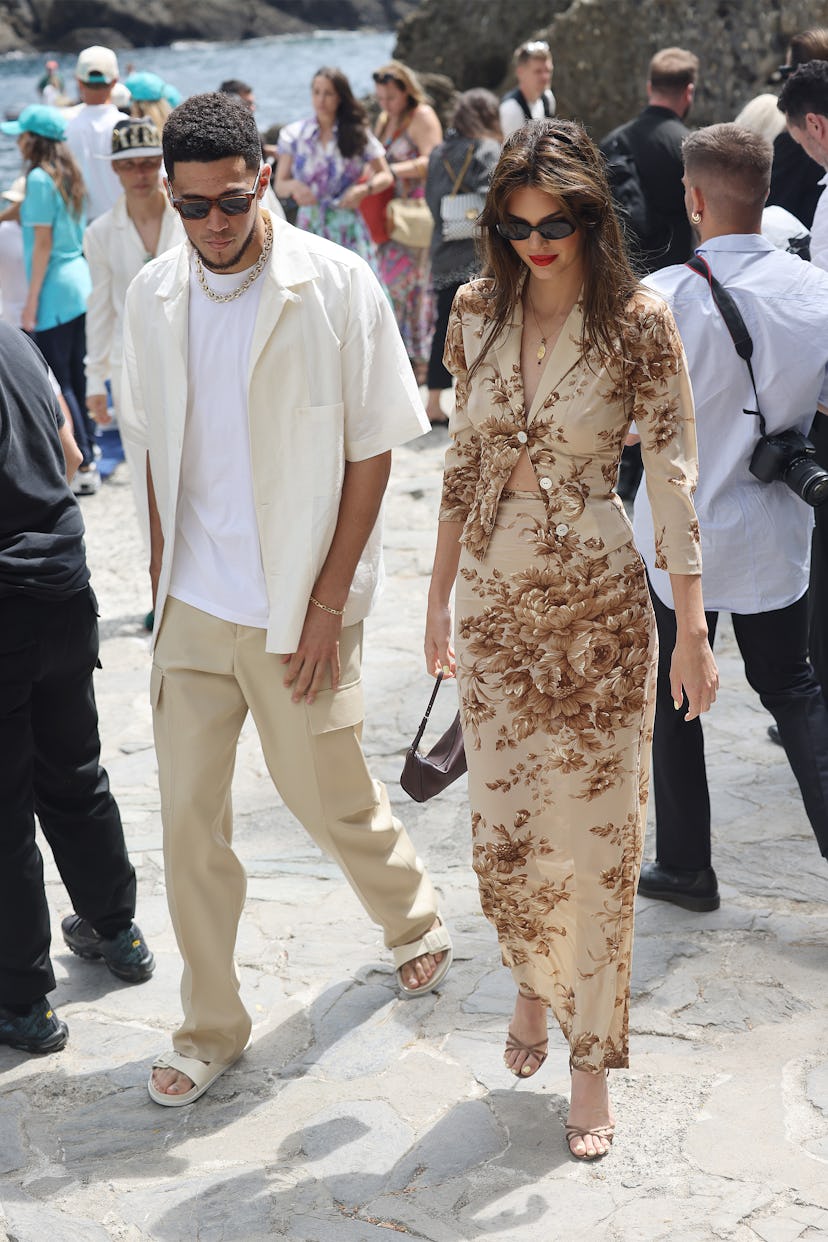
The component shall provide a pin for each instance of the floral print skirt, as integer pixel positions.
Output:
(406, 273)
(346, 228)
(556, 665)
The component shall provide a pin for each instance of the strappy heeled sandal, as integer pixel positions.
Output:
(538, 1051)
(575, 1132)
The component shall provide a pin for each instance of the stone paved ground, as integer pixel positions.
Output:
(357, 1116)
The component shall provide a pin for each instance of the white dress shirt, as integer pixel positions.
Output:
(116, 254)
(819, 229)
(755, 536)
(328, 382)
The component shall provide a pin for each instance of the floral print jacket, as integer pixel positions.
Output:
(574, 431)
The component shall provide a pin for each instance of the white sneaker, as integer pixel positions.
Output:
(87, 481)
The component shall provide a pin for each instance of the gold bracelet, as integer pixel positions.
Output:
(335, 612)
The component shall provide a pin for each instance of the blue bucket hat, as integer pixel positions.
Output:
(38, 119)
(145, 86)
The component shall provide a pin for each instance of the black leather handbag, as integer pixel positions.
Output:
(423, 776)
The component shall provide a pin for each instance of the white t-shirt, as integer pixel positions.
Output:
(89, 136)
(217, 566)
(14, 287)
(512, 115)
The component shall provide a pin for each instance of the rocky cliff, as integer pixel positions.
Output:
(601, 48)
(68, 25)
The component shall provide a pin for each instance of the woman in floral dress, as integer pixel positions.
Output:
(556, 349)
(409, 130)
(330, 162)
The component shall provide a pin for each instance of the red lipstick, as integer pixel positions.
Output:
(542, 260)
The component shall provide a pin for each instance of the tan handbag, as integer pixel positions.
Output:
(410, 223)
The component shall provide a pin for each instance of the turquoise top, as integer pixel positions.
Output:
(67, 284)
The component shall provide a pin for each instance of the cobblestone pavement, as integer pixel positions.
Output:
(356, 1115)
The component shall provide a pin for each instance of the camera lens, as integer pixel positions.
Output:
(810, 482)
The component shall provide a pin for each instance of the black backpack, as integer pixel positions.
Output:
(627, 190)
(518, 95)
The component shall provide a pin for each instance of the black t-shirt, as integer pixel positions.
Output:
(655, 138)
(795, 179)
(41, 529)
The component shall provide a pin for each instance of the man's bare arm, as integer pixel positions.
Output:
(363, 488)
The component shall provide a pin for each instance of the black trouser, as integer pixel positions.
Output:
(438, 376)
(774, 649)
(818, 588)
(64, 348)
(51, 765)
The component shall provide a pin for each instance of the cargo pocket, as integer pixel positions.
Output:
(156, 681)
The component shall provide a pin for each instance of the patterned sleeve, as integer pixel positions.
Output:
(664, 416)
(462, 465)
(288, 137)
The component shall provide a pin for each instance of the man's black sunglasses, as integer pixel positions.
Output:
(382, 79)
(521, 230)
(236, 203)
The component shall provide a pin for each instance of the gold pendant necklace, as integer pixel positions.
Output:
(252, 275)
(541, 354)
(541, 351)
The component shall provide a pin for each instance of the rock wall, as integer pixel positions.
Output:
(601, 48)
(68, 25)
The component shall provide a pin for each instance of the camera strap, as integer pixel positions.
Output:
(732, 316)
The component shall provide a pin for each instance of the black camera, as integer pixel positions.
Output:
(789, 456)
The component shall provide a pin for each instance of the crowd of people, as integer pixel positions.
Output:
(650, 295)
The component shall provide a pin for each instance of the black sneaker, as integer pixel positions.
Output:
(40, 1030)
(126, 954)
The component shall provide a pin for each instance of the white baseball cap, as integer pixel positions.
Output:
(97, 65)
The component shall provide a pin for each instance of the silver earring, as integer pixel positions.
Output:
(695, 217)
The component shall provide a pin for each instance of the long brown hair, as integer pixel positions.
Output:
(351, 116)
(57, 161)
(559, 158)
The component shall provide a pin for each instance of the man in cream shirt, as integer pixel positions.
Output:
(267, 385)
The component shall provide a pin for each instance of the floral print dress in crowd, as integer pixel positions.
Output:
(556, 645)
(406, 270)
(329, 174)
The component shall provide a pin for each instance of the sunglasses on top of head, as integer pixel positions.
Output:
(515, 229)
(382, 79)
(234, 203)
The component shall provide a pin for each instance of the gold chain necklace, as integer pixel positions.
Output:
(252, 275)
(541, 354)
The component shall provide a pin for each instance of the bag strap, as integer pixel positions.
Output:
(424, 721)
(736, 326)
(458, 180)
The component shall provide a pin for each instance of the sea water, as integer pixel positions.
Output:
(278, 68)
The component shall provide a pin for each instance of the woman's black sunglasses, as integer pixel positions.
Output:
(236, 203)
(382, 79)
(522, 230)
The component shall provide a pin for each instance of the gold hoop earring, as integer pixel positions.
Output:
(695, 217)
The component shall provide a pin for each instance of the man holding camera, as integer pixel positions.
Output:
(758, 485)
(804, 100)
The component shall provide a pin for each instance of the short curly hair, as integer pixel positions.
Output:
(210, 127)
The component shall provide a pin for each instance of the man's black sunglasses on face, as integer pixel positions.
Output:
(235, 203)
